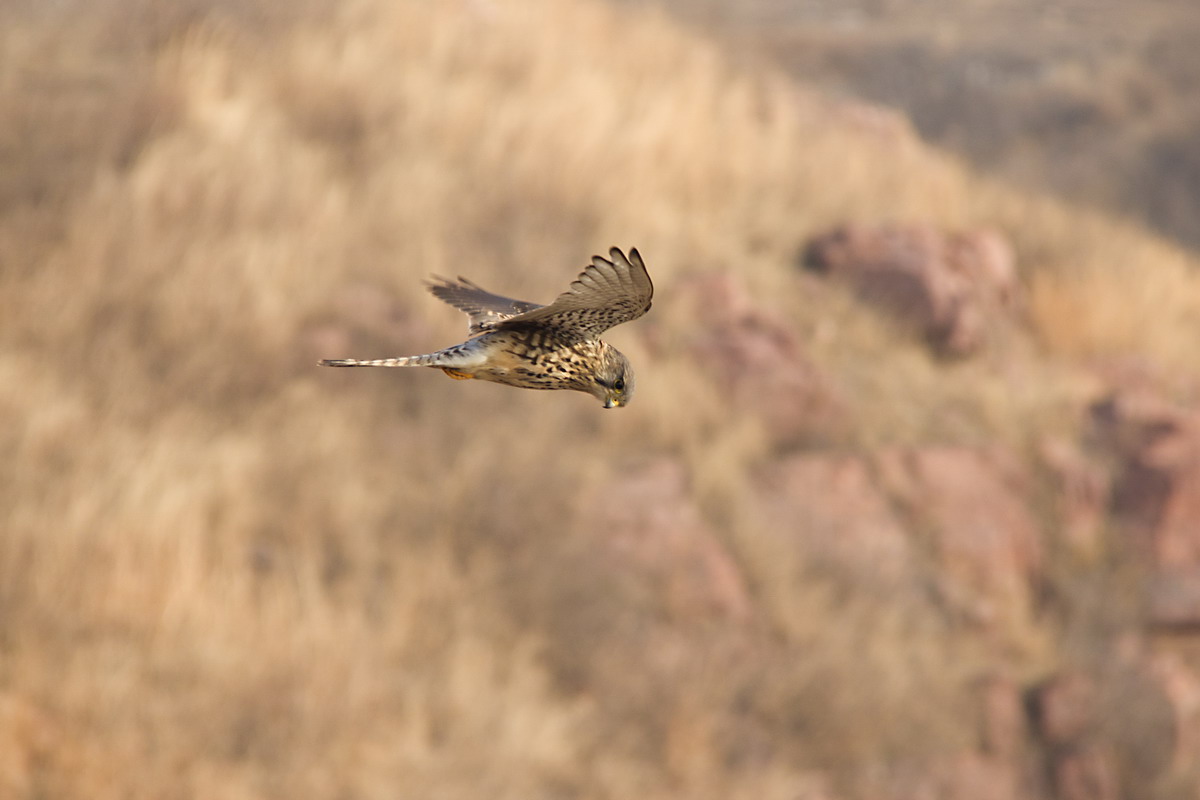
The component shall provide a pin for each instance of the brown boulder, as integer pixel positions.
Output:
(975, 777)
(1156, 497)
(1064, 708)
(650, 526)
(953, 288)
(1174, 600)
(973, 506)
(758, 361)
(832, 505)
(1064, 711)
(1088, 773)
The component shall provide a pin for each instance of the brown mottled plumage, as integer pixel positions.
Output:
(543, 347)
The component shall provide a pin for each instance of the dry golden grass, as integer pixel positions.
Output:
(227, 574)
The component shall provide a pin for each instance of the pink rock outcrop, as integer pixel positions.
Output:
(977, 777)
(758, 360)
(1064, 708)
(1156, 495)
(1174, 600)
(1087, 773)
(1064, 712)
(832, 507)
(951, 287)
(1157, 492)
(649, 524)
(974, 508)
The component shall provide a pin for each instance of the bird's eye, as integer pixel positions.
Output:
(619, 385)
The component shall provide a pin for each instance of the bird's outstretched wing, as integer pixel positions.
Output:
(486, 310)
(605, 294)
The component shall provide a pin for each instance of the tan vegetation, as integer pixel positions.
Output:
(225, 573)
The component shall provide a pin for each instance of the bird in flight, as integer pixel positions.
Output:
(543, 347)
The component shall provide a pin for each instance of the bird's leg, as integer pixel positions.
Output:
(457, 374)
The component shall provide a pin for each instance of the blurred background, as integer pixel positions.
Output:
(907, 505)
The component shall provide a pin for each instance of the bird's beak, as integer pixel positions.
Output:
(610, 403)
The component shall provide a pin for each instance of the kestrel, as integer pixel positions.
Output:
(543, 347)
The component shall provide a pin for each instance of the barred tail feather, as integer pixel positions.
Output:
(402, 361)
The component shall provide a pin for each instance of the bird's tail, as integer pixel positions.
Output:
(428, 360)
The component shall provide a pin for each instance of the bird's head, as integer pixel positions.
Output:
(613, 381)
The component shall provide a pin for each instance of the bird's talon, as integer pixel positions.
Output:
(457, 374)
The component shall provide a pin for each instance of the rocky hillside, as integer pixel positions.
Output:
(906, 505)
(1091, 99)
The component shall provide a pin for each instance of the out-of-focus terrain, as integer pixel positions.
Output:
(907, 504)
(1091, 99)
